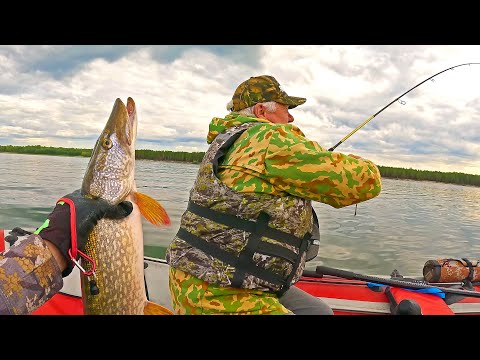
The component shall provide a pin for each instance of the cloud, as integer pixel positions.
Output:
(62, 96)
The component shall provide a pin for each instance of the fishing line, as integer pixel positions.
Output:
(398, 98)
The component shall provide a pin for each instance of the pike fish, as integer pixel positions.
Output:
(116, 246)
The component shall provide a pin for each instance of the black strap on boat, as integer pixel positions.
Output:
(404, 306)
(145, 265)
(245, 225)
(14, 234)
(470, 269)
(227, 257)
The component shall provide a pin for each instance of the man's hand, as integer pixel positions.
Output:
(57, 227)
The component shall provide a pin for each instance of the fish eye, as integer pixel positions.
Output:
(107, 143)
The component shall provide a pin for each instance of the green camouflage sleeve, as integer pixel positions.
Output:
(29, 276)
(280, 158)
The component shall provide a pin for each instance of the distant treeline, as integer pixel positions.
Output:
(445, 177)
(196, 158)
(191, 157)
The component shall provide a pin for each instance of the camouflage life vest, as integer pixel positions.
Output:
(243, 240)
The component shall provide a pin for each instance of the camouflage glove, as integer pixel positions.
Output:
(57, 227)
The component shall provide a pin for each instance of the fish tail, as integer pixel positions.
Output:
(151, 209)
(152, 308)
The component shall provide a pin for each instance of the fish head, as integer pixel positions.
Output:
(110, 173)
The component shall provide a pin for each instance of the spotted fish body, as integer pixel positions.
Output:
(116, 246)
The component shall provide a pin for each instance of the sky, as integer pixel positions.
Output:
(62, 96)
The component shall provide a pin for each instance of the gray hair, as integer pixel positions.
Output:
(271, 106)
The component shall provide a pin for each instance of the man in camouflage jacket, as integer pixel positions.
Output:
(243, 239)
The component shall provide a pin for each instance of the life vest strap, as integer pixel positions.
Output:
(229, 258)
(245, 225)
(253, 243)
(303, 248)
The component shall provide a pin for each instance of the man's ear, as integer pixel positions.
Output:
(259, 111)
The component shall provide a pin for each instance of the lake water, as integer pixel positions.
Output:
(409, 223)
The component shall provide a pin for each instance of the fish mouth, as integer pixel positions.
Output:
(110, 172)
(132, 117)
(123, 121)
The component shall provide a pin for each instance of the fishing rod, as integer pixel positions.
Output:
(402, 283)
(403, 103)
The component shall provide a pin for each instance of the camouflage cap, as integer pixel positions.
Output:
(262, 88)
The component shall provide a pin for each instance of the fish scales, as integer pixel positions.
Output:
(119, 275)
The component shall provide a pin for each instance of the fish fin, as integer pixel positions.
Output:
(152, 308)
(152, 210)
